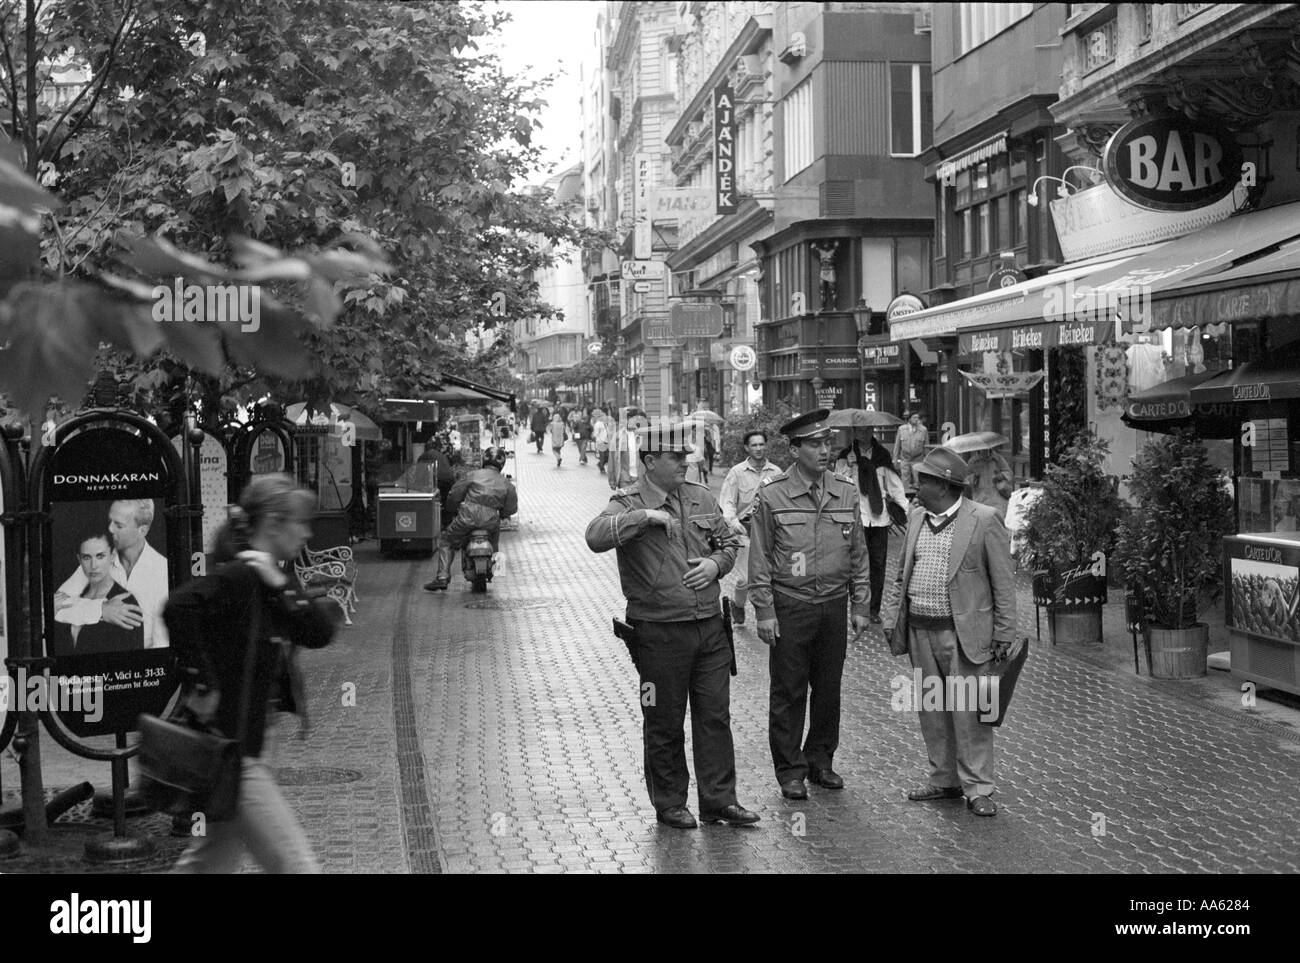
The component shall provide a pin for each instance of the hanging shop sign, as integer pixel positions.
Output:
(680, 203)
(112, 552)
(642, 270)
(1005, 275)
(642, 168)
(833, 366)
(902, 306)
(743, 357)
(1172, 163)
(658, 333)
(884, 355)
(696, 320)
(724, 149)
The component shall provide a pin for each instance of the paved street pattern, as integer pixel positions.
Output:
(532, 733)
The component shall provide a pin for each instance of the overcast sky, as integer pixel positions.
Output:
(551, 37)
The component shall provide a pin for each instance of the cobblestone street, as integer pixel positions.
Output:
(502, 733)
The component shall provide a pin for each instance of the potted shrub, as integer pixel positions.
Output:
(1067, 532)
(1169, 548)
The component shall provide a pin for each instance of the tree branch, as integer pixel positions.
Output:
(104, 73)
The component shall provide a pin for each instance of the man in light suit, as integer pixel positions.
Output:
(955, 612)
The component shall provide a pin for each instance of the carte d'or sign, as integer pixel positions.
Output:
(1172, 163)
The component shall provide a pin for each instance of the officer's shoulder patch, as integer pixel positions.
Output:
(779, 476)
(696, 484)
(623, 493)
(842, 478)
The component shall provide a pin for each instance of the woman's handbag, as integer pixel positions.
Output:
(187, 766)
(897, 514)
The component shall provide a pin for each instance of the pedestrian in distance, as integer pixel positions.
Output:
(954, 613)
(909, 447)
(807, 553)
(882, 502)
(738, 499)
(558, 437)
(600, 435)
(537, 425)
(249, 601)
(673, 546)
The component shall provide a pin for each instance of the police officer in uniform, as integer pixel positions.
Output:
(673, 546)
(807, 552)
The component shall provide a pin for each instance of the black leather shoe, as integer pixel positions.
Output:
(935, 792)
(982, 806)
(679, 817)
(794, 789)
(735, 815)
(826, 778)
(437, 585)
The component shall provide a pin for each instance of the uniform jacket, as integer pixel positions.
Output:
(651, 562)
(487, 488)
(981, 582)
(814, 551)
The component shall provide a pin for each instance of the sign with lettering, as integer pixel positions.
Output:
(1264, 598)
(1172, 163)
(724, 149)
(679, 203)
(642, 270)
(1034, 337)
(743, 357)
(696, 320)
(642, 168)
(882, 355)
(109, 553)
(902, 306)
(658, 333)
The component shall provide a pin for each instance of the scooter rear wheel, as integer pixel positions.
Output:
(479, 583)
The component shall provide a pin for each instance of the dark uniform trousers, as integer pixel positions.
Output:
(686, 662)
(877, 537)
(809, 654)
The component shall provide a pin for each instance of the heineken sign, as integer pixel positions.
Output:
(1172, 163)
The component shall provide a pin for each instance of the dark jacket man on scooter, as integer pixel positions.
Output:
(479, 500)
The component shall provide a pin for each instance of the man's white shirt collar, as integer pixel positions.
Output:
(952, 510)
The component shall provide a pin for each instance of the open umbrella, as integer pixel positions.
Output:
(704, 416)
(975, 441)
(366, 429)
(861, 418)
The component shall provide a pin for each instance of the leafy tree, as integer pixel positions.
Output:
(303, 125)
(1077, 511)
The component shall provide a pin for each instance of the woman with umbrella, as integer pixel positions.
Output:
(883, 503)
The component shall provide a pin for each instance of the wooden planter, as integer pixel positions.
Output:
(1179, 653)
(1073, 602)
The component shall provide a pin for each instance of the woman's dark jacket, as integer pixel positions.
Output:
(209, 622)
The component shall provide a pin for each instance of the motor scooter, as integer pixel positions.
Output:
(476, 559)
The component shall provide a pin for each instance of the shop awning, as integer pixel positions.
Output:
(1031, 314)
(1252, 381)
(494, 394)
(408, 409)
(1154, 289)
(1167, 407)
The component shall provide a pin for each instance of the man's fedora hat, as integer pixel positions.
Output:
(807, 427)
(943, 464)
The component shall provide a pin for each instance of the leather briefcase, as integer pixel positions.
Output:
(186, 770)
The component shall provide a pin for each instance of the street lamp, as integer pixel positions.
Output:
(1063, 190)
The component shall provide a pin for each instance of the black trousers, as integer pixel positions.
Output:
(808, 655)
(683, 663)
(877, 554)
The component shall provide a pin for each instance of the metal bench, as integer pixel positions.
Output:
(334, 570)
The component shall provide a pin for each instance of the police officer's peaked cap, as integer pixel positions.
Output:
(944, 464)
(808, 427)
(667, 436)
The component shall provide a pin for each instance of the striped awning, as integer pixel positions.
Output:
(982, 152)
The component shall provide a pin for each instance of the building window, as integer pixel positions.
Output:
(797, 126)
(1002, 222)
(981, 229)
(911, 109)
(965, 223)
(941, 224)
(1019, 213)
(911, 265)
(1098, 46)
(1186, 10)
(980, 22)
(1144, 21)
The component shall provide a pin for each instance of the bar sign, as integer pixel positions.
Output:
(724, 149)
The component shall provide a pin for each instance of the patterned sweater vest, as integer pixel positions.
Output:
(928, 588)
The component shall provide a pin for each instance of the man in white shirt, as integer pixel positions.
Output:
(737, 500)
(600, 435)
(137, 566)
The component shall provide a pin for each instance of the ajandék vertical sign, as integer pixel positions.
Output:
(724, 149)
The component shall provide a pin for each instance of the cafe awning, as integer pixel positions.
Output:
(1252, 381)
(1167, 407)
(1038, 306)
